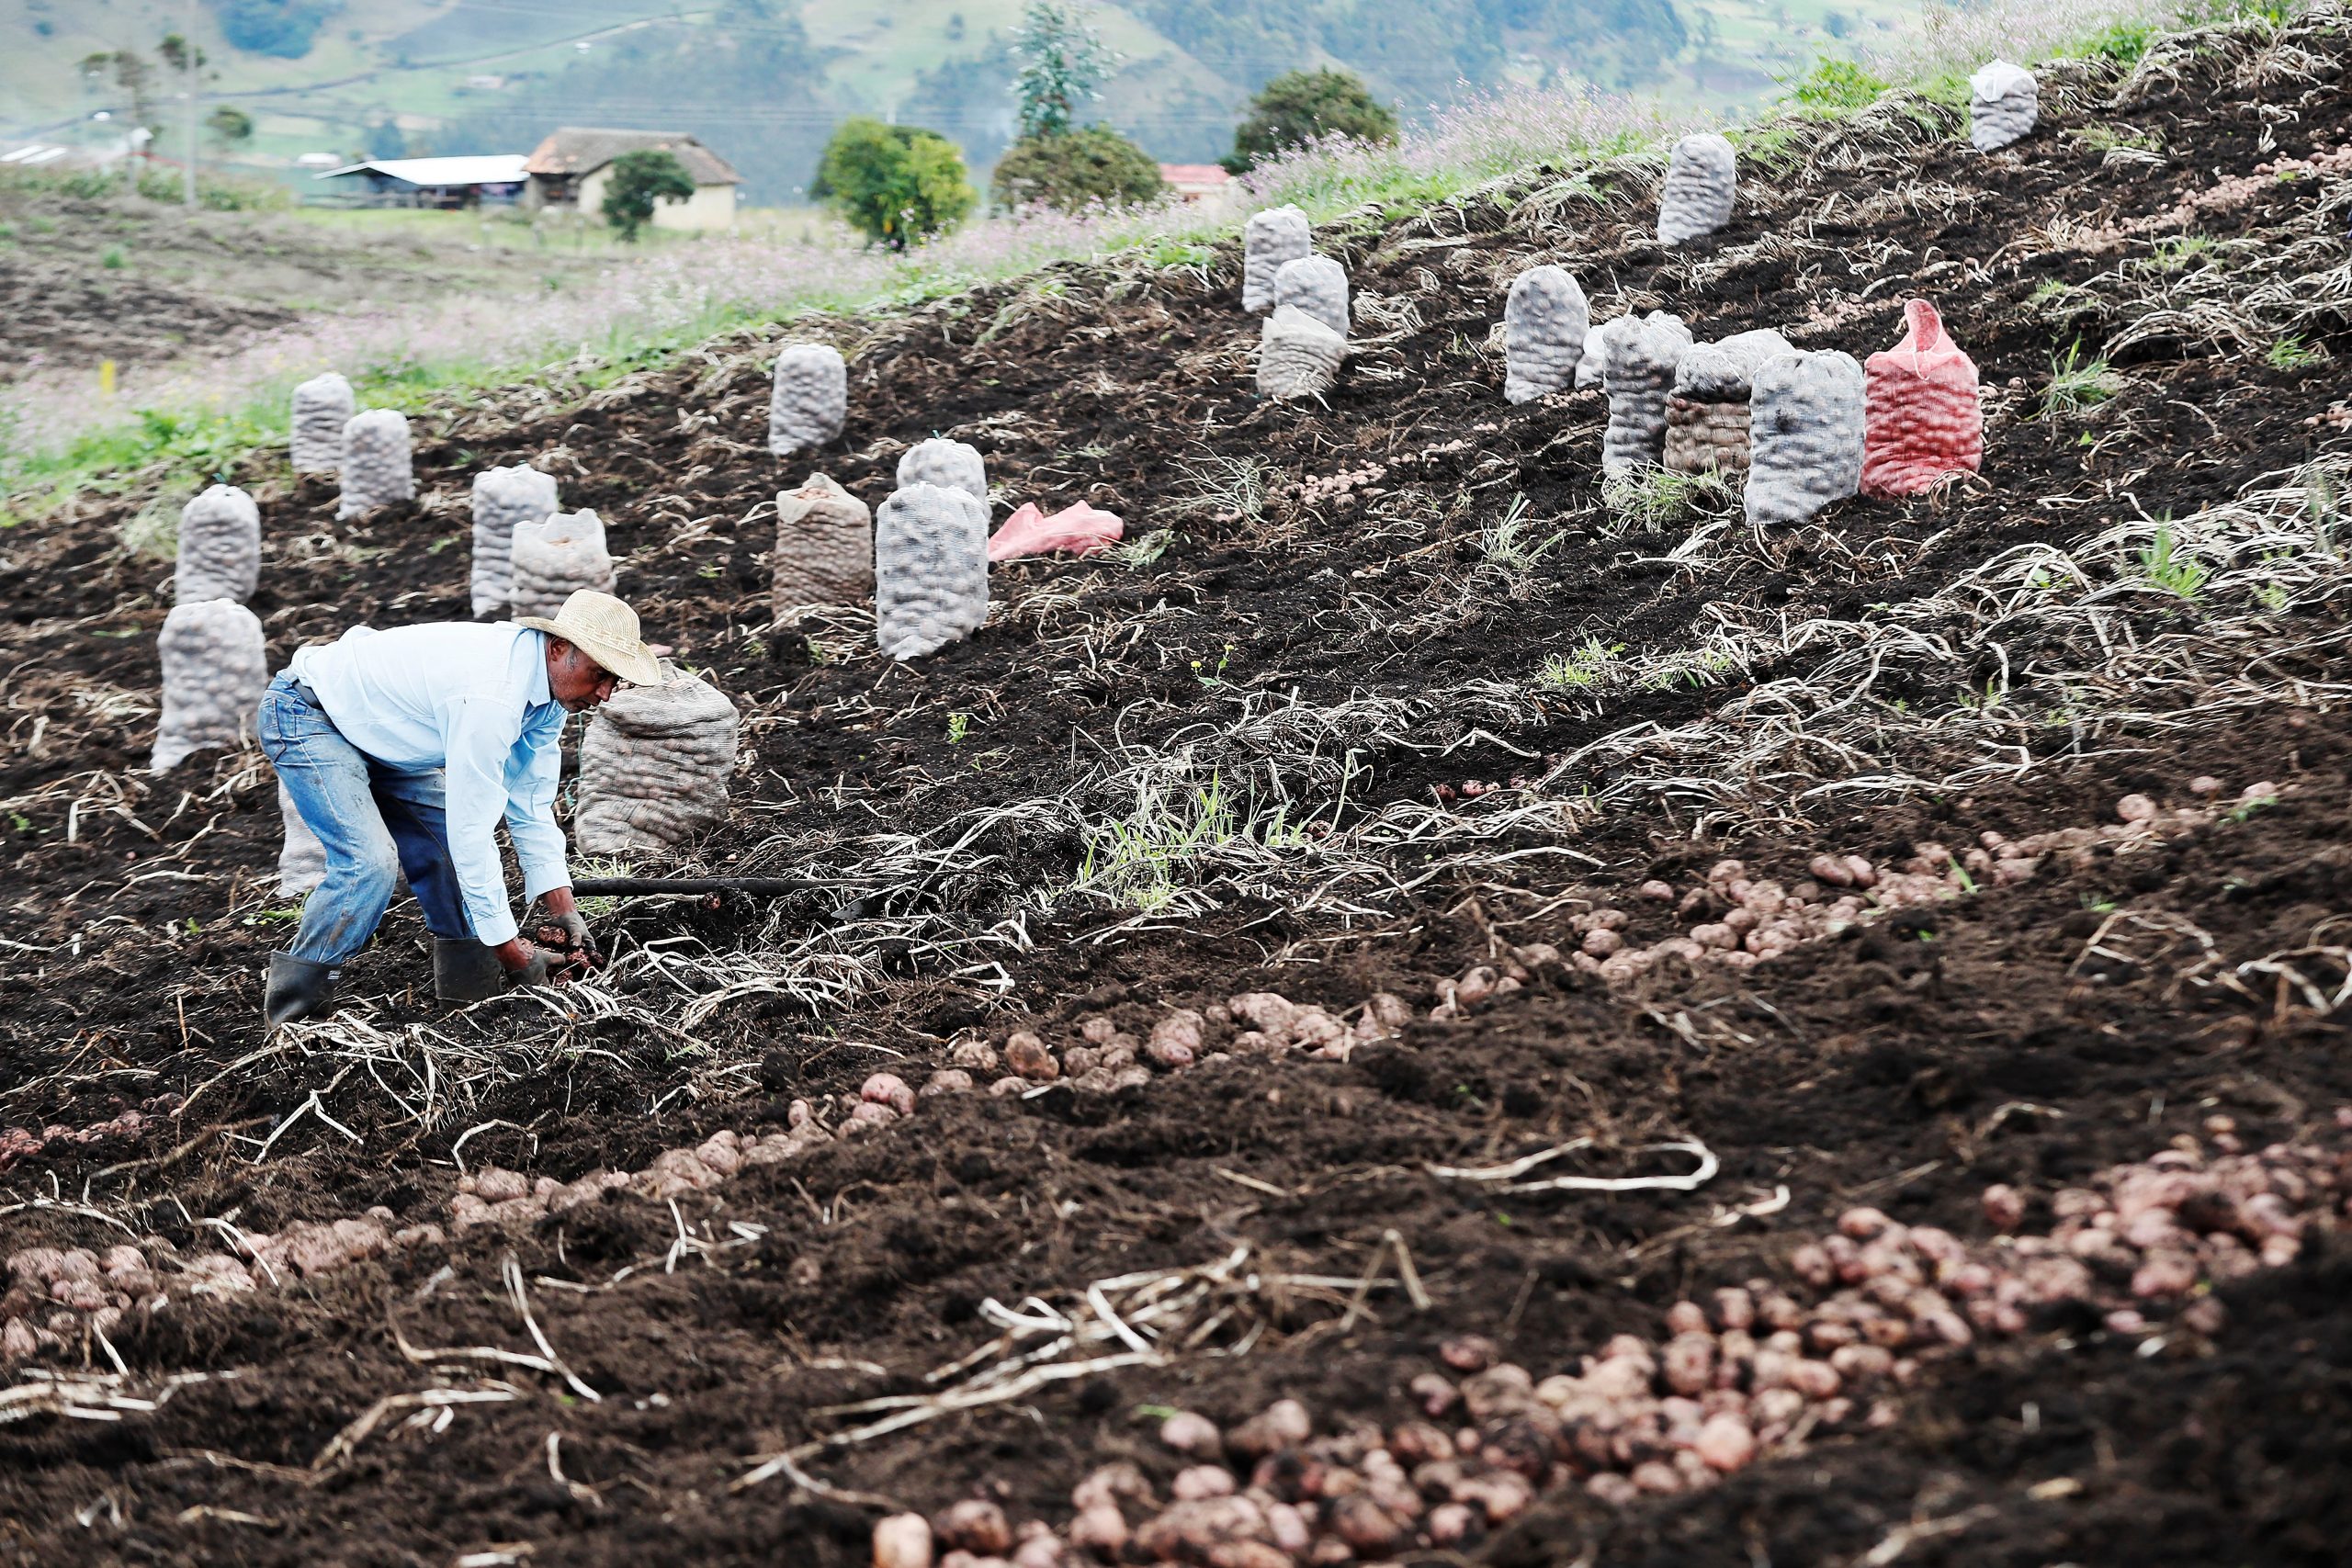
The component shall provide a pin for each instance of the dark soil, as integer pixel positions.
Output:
(1907, 1065)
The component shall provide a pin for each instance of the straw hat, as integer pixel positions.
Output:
(606, 630)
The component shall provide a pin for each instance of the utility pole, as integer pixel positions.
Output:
(187, 58)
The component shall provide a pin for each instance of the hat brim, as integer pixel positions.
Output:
(633, 662)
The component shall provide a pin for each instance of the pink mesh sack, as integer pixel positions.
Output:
(1924, 421)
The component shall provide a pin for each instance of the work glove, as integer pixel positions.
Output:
(574, 927)
(541, 968)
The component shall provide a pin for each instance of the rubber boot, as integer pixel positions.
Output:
(466, 971)
(296, 988)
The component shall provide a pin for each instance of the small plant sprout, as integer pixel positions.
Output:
(1582, 668)
(2076, 384)
(959, 725)
(1647, 499)
(1170, 840)
(1509, 543)
(1214, 677)
(2165, 566)
(2178, 253)
(2292, 352)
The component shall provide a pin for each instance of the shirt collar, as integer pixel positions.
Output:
(535, 692)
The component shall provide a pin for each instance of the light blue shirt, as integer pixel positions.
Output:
(472, 701)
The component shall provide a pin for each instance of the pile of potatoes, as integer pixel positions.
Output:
(1749, 1374)
(1738, 921)
(17, 1143)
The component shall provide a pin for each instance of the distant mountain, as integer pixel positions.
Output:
(764, 81)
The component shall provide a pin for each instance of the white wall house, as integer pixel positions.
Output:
(569, 169)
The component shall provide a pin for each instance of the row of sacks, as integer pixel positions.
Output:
(1305, 338)
(370, 450)
(923, 558)
(1807, 428)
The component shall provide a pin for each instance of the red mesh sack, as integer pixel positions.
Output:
(1924, 421)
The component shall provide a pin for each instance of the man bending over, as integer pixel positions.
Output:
(402, 750)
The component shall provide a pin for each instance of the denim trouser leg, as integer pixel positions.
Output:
(374, 821)
(414, 810)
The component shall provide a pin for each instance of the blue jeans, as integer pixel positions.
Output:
(376, 821)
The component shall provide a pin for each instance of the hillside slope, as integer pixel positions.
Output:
(1388, 705)
(766, 79)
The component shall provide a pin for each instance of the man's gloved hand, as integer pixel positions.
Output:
(537, 965)
(575, 936)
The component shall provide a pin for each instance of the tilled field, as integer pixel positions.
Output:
(1918, 937)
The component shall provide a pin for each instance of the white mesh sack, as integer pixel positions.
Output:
(220, 553)
(940, 461)
(1298, 356)
(1316, 284)
(558, 557)
(1545, 323)
(808, 401)
(215, 665)
(2004, 102)
(1701, 182)
(322, 407)
(503, 499)
(1595, 360)
(377, 469)
(1270, 238)
(1805, 426)
(654, 766)
(930, 570)
(1642, 354)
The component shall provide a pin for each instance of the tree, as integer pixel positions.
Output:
(228, 126)
(639, 180)
(178, 55)
(1299, 107)
(1076, 169)
(1063, 62)
(895, 183)
(283, 29)
(131, 75)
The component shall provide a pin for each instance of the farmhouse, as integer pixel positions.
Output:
(487, 179)
(569, 170)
